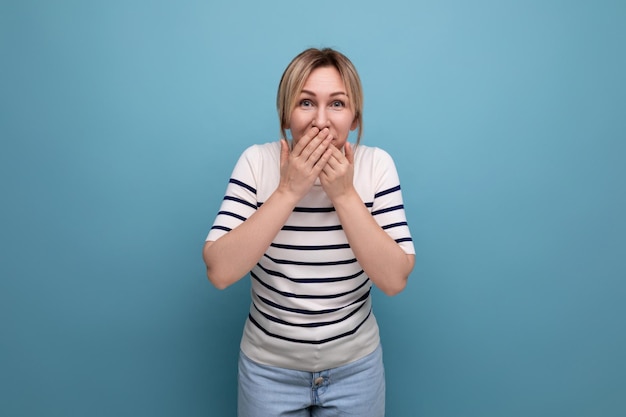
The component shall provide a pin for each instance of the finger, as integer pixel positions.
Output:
(284, 152)
(316, 140)
(304, 141)
(332, 169)
(336, 157)
(322, 163)
(349, 152)
(312, 149)
(322, 149)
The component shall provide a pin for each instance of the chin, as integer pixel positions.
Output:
(337, 144)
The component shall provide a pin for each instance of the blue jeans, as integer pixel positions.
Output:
(355, 389)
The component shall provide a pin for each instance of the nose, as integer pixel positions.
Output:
(321, 118)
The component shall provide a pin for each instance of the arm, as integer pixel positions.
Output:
(233, 255)
(382, 259)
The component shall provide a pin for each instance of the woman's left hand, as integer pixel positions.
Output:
(338, 173)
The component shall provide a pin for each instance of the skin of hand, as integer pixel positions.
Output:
(338, 173)
(302, 166)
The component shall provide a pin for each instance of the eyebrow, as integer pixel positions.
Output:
(337, 93)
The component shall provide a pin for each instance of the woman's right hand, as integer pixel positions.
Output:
(301, 167)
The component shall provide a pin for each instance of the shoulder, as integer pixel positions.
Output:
(264, 150)
(374, 167)
(259, 167)
(261, 154)
(369, 156)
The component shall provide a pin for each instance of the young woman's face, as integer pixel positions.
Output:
(323, 102)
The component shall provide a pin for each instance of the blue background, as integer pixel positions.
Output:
(120, 124)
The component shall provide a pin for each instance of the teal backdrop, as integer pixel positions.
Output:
(121, 122)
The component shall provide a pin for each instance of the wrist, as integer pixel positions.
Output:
(347, 198)
(286, 196)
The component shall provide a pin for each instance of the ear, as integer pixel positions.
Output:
(355, 124)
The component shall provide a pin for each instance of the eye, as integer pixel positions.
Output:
(306, 103)
(338, 104)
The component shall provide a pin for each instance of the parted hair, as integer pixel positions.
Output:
(298, 71)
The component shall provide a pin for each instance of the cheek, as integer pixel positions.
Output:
(299, 122)
(344, 125)
(298, 128)
(302, 124)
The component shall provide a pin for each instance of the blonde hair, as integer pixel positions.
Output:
(298, 71)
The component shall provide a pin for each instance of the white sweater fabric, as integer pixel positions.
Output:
(311, 307)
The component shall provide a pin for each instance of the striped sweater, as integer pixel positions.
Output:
(311, 305)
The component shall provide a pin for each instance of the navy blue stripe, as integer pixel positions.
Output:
(388, 209)
(389, 226)
(404, 239)
(387, 191)
(231, 214)
(242, 184)
(314, 209)
(312, 228)
(311, 342)
(218, 227)
(239, 200)
(312, 312)
(310, 280)
(290, 262)
(306, 296)
(315, 247)
(317, 324)
(317, 209)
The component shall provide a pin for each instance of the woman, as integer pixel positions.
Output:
(315, 221)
